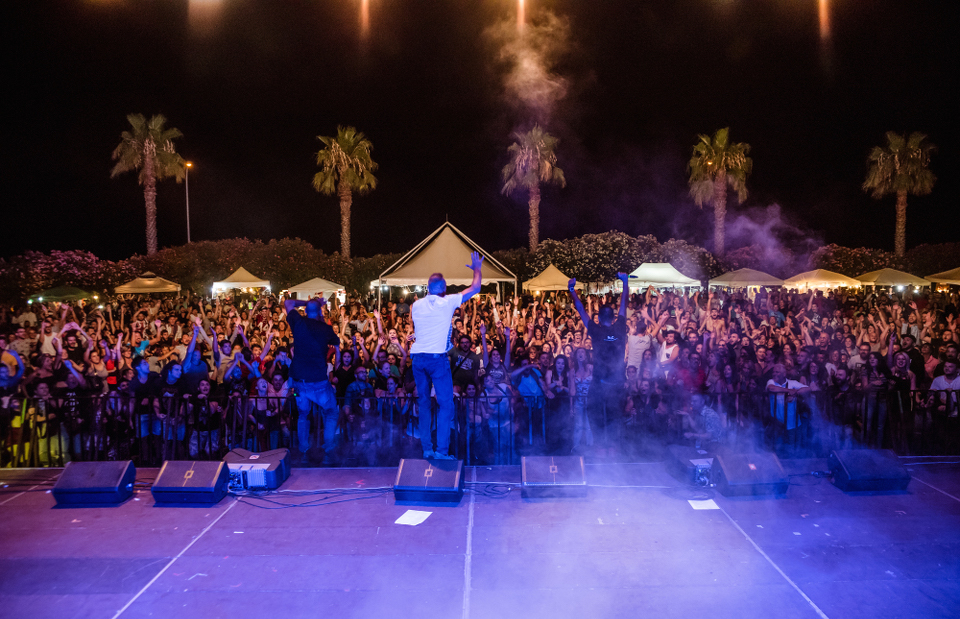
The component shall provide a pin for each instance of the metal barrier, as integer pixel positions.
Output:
(378, 431)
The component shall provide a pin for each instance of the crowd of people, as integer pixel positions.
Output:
(154, 378)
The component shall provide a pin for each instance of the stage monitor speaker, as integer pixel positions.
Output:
(689, 464)
(266, 470)
(857, 470)
(552, 476)
(191, 482)
(97, 483)
(429, 481)
(749, 474)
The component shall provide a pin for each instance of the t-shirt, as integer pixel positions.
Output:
(636, 346)
(464, 366)
(432, 321)
(312, 339)
(608, 348)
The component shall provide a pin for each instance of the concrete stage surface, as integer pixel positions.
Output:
(635, 547)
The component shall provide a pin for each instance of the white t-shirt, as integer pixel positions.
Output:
(432, 322)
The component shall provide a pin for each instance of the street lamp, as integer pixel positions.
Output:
(187, 184)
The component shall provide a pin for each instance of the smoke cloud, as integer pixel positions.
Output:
(773, 242)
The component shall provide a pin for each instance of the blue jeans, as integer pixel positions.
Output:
(322, 394)
(434, 368)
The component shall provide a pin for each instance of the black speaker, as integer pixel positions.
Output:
(191, 482)
(689, 464)
(258, 471)
(95, 482)
(552, 476)
(429, 481)
(856, 470)
(749, 474)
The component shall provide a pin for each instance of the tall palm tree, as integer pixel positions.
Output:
(533, 160)
(345, 167)
(901, 168)
(148, 147)
(715, 164)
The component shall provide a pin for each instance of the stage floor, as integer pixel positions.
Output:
(635, 547)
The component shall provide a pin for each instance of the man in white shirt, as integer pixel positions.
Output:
(947, 387)
(432, 316)
(783, 406)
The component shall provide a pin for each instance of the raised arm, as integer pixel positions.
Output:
(577, 303)
(476, 265)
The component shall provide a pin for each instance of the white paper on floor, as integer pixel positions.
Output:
(708, 504)
(412, 517)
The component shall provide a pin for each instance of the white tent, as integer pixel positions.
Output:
(946, 277)
(241, 278)
(821, 278)
(891, 277)
(148, 283)
(551, 278)
(447, 251)
(316, 287)
(660, 275)
(743, 278)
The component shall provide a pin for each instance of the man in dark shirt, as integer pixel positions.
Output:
(464, 363)
(312, 338)
(609, 337)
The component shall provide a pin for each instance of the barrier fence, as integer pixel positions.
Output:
(378, 431)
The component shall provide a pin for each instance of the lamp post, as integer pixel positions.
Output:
(187, 185)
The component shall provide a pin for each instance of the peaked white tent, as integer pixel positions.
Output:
(821, 278)
(446, 250)
(551, 278)
(313, 288)
(744, 278)
(946, 277)
(891, 277)
(148, 283)
(660, 275)
(241, 278)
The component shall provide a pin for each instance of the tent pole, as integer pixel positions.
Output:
(379, 283)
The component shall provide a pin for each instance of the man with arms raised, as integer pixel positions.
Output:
(432, 316)
(312, 338)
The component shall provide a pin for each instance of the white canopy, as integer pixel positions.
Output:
(241, 278)
(742, 278)
(946, 277)
(660, 275)
(316, 287)
(447, 251)
(147, 283)
(551, 278)
(821, 278)
(891, 277)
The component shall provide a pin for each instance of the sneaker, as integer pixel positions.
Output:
(440, 456)
(429, 455)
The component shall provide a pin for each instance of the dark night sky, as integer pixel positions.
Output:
(251, 92)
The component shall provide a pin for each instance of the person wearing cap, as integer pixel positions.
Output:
(313, 338)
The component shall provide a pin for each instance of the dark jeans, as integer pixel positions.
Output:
(604, 409)
(434, 369)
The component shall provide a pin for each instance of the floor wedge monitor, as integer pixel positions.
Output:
(95, 483)
(429, 481)
(858, 470)
(552, 476)
(191, 482)
(749, 474)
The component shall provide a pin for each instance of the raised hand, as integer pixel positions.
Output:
(623, 277)
(572, 283)
(476, 261)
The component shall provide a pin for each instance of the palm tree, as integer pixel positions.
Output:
(901, 168)
(148, 147)
(715, 164)
(533, 160)
(345, 167)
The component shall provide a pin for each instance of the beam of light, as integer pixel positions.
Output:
(824, 19)
(203, 15)
(521, 16)
(364, 19)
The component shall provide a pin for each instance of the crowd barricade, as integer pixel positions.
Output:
(378, 431)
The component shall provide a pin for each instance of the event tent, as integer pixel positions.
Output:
(821, 278)
(241, 278)
(446, 250)
(551, 278)
(62, 293)
(743, 278)
(148, 283)
(313, 288)
(660, 275)
(946, 277)
(891, 277)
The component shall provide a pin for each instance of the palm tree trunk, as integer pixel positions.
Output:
(150, 197)
(534, 205)
(719, 213)
(900, 238)
(346, 200)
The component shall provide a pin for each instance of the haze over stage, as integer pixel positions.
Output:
(620, 552)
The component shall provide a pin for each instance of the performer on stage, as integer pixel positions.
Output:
(432, 316)
(312, 338)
